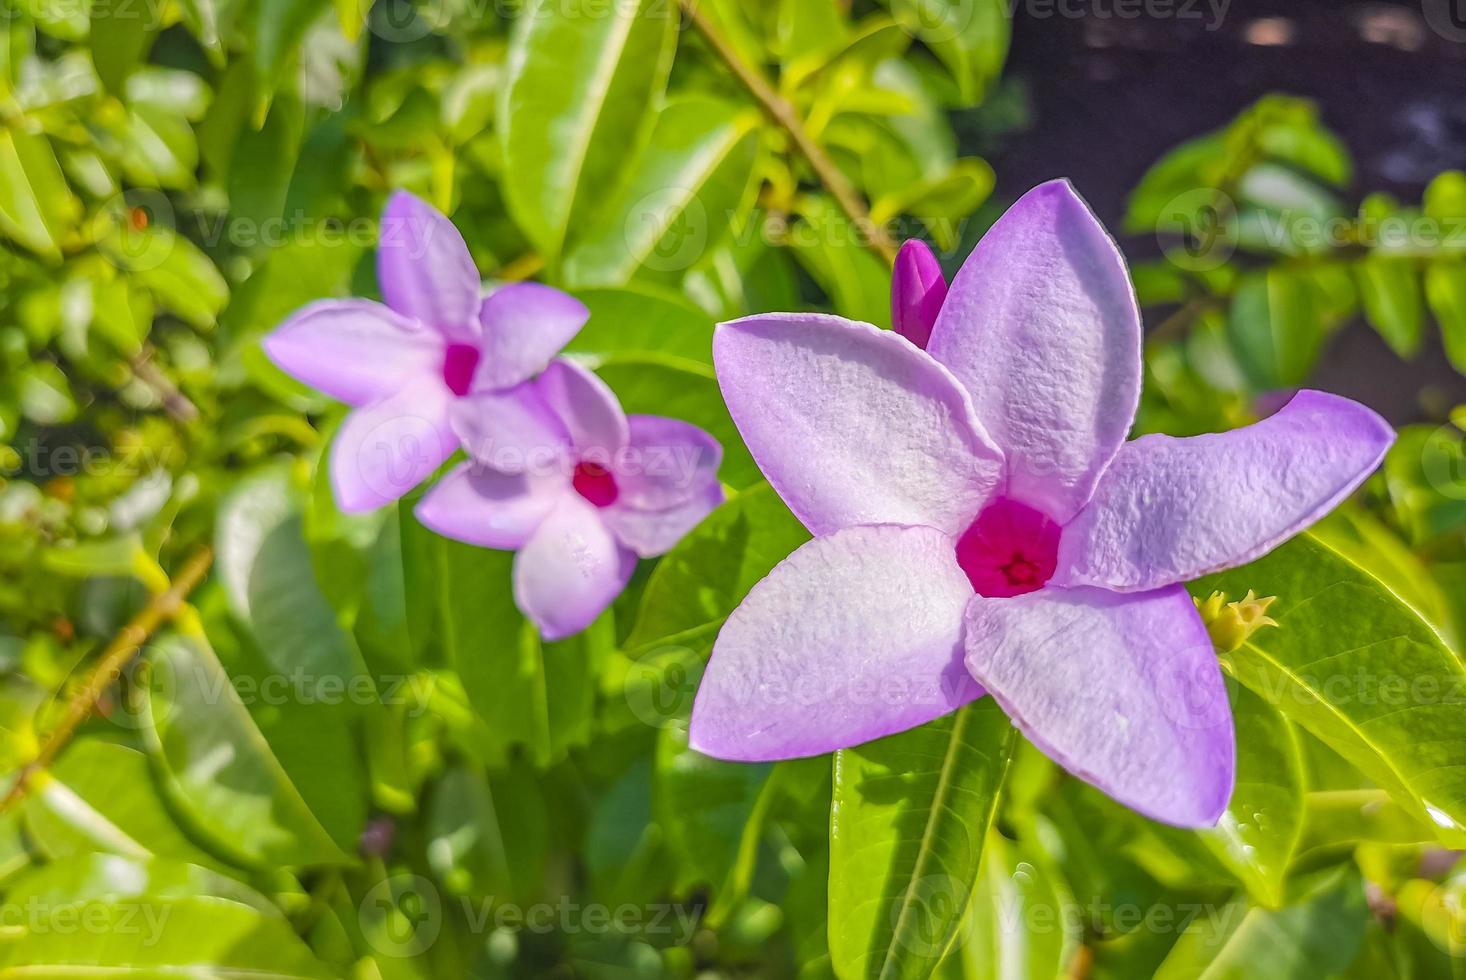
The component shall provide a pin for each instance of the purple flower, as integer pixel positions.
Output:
(981, 522)
(580, 489)
(403, 366)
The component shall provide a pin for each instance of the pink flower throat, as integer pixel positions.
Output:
(459, 363)
(1010, 549)
(595, 483)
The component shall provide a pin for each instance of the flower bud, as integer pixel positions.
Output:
(917, 292)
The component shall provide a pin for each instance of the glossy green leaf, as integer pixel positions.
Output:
(1445, 290)
(907, 825)
(102, 796)
(109, 877)
(583, 79)
(712, 814)
(486, 840)
(685, 190)
(832, 251)
(180, 276)
(219, 769)
(701, 580)
(1355, 666)
(643, 319)
(37, 207)
(1316, 935)
(121, 34)
(149, 938)
(265, 567)
(1275, 328)
(1257, 835)
(969, 36)
(1390, 291)
(1017, 926)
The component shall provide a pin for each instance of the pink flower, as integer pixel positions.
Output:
(560, 474)
(403, 366)
(982, 524)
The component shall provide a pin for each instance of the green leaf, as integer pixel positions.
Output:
(1445, 290)
(704, 578)
(109, 877)
(1275, 327)
(102, 796)
(643, 319)
(583, 80)
(180, 276)
(712, 813)
(37, 207)
(260, 171)
(969, 36)
(122, 32)
(149, 938)
(831, 250)
(1258, 834)
(1390, 291)
(487, 843)
(219, 769)
(907, 825)
(265, 567)
(682, 196)
(1016, 927)
(1317, 935)
(45, 394)
(1355, 666)
(279, 27)
(159, 148)
(661, 385)
(524, 691)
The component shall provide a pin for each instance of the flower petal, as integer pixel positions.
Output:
(853, 425)
(650, 533)
(570, 570)
(385, 449)
(482, 506)
(854, 636)
(525, 325)
(1169, 510)
(1124, 691)
(665, 462)
(511, 430)
(424, 269)
(353, 349)
(917, 292)
(587, 407)
(1042, 327)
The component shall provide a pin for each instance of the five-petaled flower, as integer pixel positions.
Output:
(405, 366)
(579, 488)
(981, 523)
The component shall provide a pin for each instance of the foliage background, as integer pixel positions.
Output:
(345, 754)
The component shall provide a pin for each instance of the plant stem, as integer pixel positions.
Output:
(162, 607)
(781, 112)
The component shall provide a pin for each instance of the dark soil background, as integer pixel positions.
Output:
(1109, 95)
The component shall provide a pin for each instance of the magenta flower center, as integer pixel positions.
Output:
(595, 483)
(1010, 549)
(459, 363)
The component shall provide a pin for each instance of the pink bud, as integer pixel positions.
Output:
(917, 291)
